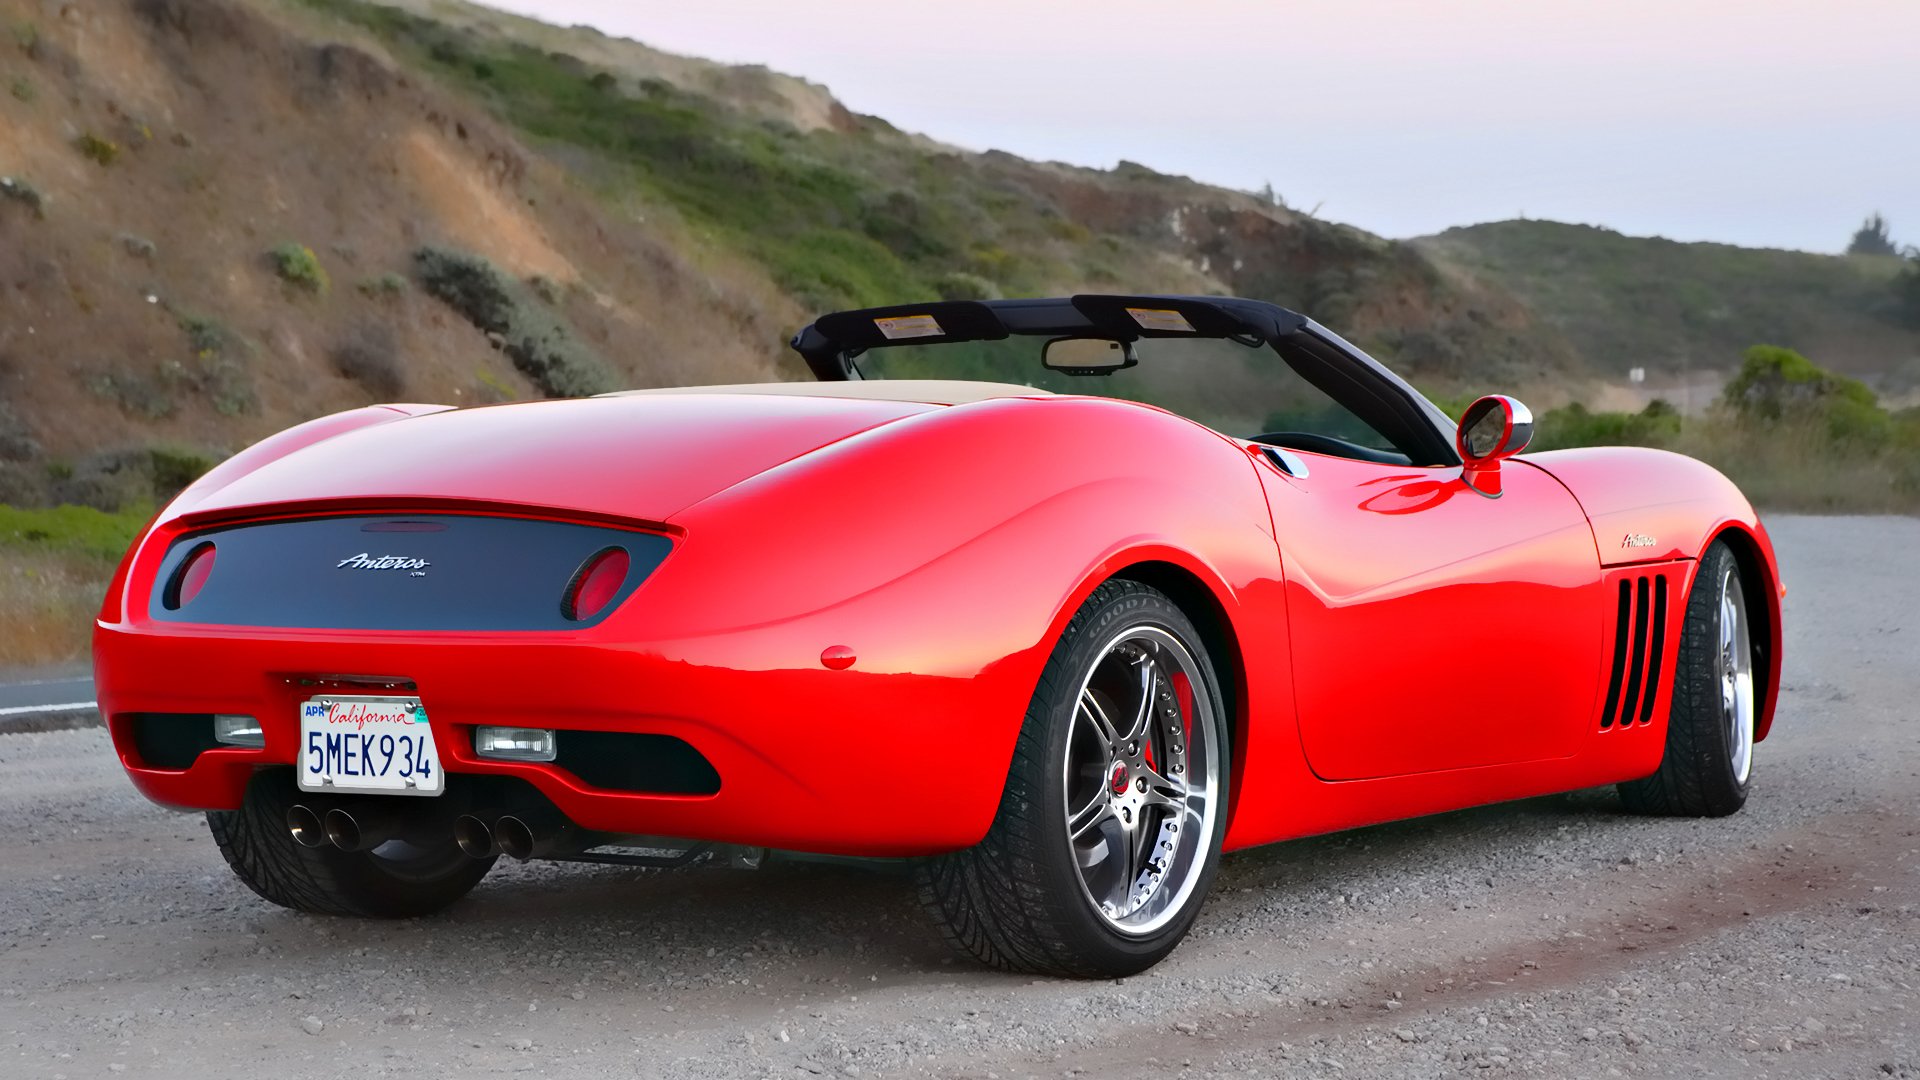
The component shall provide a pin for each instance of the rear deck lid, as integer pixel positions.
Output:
(638, 458)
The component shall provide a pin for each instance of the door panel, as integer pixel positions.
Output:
(1433, 627)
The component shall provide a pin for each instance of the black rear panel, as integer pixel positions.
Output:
(397, 572)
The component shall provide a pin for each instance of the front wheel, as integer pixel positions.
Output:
(1109, 829)
(1708, 761)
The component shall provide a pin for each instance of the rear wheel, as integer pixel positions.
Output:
(1709, 751)
(1109, 829)
(398, 879)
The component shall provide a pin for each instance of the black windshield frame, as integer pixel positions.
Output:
(1336, 368)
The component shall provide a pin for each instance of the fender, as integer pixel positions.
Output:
(860, 544)
(1649, 505)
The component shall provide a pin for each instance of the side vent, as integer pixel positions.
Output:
(1639, 652)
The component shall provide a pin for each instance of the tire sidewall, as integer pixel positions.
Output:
(1715, 568)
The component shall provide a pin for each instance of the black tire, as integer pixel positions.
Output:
(1019, 900)
(1701, 772)
(397, 881)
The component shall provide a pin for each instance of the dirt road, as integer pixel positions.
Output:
(1553, 937)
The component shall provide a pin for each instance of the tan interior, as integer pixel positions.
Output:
(931, 391)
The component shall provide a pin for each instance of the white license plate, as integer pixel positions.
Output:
(377, 744)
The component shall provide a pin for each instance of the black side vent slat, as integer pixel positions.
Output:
(1619, 655)
(1633, 688)
(1632, 697)
(1659, 648)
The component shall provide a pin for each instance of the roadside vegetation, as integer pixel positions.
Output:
(54, 568)
(1793, 435)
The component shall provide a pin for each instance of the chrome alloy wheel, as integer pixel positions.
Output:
(1142, 777)
(1733, 664)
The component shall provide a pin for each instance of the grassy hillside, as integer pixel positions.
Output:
(209, 229)
(1636, 301)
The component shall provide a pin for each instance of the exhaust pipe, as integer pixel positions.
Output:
(362, 828)
(474, 836)
(305, 825)
(540, 836)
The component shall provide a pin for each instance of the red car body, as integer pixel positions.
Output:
(861, 594)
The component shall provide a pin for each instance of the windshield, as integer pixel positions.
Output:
(1236, 389)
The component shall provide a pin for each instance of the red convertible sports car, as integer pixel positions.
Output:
(1059, 646)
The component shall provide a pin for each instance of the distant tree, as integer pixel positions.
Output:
(1872, 238)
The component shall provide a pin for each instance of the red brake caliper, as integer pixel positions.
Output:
(1183, 696)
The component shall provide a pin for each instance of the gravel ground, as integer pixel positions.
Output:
(1552, 937)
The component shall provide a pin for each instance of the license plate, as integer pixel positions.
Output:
(368, 744)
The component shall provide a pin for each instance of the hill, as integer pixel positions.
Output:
(1650, 302)
(216, 211)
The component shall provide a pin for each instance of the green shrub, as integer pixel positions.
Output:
(17, 190)
(96, 149)
(1572, 425)
(153, 396)
(960, 285)
(297, 265)
(1906, 290)
(174, 468)
(1776, 384)
(384, 285)
(22, 89)
(370, 358)
(219, 368)
(533, 336)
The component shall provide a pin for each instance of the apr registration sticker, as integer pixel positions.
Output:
(380, 745)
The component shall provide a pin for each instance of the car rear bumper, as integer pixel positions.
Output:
(809, 759)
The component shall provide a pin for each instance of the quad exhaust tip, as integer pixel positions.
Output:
(514, 837)
(475, 837)
(344, 831)
(305, 825)
(313, 827)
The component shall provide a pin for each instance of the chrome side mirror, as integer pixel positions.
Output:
(1494, 428)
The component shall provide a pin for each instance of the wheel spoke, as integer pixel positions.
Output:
(1102, 726)
(1134, 842)
(1140, 838)
(1149, 689)
(1097, 810)
(1162, 791)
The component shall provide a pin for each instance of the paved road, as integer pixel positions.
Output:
(1554, 937)
(31, 696)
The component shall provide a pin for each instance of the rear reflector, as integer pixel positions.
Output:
(595, 584)
(190, 578)
(515, 743)
(238, 731)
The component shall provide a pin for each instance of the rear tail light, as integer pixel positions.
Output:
(190, 578)
(595, 584)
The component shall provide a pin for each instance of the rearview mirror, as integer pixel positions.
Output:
(1492, 429)
(1088, 356)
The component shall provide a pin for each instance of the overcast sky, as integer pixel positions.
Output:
(1777, 123)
